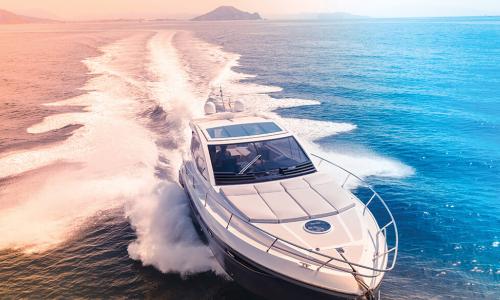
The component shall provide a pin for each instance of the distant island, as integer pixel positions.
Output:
(224, 13)
(7, 17)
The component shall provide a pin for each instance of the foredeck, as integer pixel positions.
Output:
(306, 197)
(365, 251)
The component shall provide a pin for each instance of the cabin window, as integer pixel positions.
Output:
(258, 161)
(198, 156)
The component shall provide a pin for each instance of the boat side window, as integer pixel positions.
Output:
(198, 156)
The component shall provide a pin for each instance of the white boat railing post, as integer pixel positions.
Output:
(368, 203)
(347, 178)
(229, 222)
(276, 239)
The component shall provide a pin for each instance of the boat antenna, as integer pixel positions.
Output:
(222, 99)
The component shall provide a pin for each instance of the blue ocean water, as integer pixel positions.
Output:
(423, 91)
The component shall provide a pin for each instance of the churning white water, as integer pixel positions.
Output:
(135, 131)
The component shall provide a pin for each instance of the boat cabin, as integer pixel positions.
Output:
(254, 187)
(239, 150)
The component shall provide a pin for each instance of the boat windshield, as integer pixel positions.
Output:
(258, 161)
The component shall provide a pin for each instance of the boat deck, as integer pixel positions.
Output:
(308, 197)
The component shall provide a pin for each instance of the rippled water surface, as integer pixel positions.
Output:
(87, 203)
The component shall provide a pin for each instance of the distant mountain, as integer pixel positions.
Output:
(227, 13)
(338, 16)
(7, 17)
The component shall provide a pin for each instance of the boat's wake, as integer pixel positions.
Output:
(127, 153)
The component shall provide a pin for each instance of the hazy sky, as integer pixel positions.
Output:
(92, 9)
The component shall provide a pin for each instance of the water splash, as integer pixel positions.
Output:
(135, 130)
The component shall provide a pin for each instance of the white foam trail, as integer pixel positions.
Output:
(166, 237)
(364, 163)
(313, 130)
(113, 159)
(110, 103)
(108, 160)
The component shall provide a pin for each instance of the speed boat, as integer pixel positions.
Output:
(282, 222)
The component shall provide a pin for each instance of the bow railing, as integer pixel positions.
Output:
(369, 197)
(233, 221)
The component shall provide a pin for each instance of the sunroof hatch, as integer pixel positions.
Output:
(243, 130)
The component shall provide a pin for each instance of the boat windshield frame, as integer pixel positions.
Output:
(258, 160)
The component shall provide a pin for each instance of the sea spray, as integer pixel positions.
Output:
(127, 153)
(166, 237)
(362, 162)
(135, 131)
(110, 159)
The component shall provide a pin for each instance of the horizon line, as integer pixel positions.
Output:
(293, 16)
(274, 18)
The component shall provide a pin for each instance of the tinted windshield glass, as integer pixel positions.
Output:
(240, 130)
(255, 157)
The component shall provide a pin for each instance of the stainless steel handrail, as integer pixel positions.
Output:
(212, 197)
(383, 228)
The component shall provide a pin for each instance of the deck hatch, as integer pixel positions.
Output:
(317, 226)
(242, 130)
